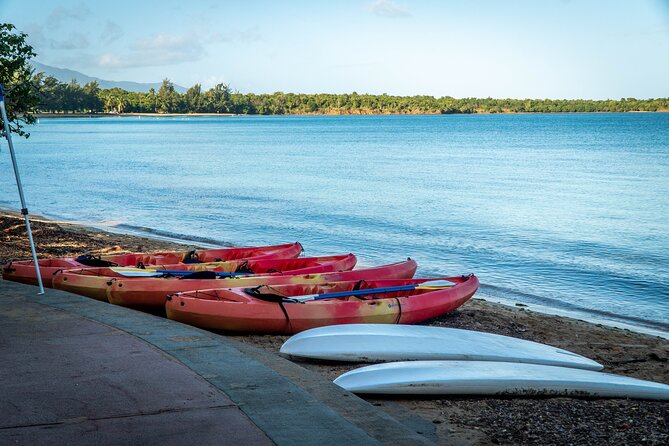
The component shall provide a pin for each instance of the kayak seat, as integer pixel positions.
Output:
(191, 257)
(95, 261)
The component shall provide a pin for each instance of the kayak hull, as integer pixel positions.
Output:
(98, 282)
(235, 310)
(24, 270)
(153, 292)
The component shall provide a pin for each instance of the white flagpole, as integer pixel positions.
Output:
(24, 208)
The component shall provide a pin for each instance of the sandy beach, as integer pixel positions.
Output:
(479, 420)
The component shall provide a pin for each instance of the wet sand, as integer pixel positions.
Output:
(479, 420)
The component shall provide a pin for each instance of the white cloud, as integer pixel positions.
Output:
(387, 8)
(158, 50)
(111, 32)
(62, 14)
(244, 36)
(165, 42)
(212, 80)
(36, 36)
(43, 43)
(75, 41)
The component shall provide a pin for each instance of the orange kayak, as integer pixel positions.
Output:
(24, 270)
(153, 292)
(96, 282)
(287, 309)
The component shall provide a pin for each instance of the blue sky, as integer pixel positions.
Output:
(519, 49)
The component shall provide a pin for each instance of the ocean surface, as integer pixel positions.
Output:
(567, 212)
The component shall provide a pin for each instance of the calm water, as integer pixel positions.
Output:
(568, 211)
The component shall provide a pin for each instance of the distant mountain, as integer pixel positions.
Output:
(65, 75)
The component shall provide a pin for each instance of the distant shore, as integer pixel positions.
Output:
(107, 115)
(167, 115)
(481, 420)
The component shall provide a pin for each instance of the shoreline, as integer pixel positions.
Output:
(584, 315)
(479, 420)
(121, 115)
(195, 115)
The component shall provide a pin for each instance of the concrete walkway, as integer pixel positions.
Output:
(75, 370)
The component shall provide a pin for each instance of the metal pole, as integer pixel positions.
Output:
(24, 208)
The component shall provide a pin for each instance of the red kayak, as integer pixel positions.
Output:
(24, 270)
(153, 292)
(288, 309)
(97, 282)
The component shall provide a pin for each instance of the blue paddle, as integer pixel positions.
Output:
(308, 297)
(180, 272)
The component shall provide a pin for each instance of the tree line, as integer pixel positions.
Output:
(59, 97)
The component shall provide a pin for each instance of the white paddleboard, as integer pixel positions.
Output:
(383, 342)
(494, 378)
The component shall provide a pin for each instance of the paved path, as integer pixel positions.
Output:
(77, 371)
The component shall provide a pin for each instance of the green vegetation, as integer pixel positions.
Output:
(22, 87)
(58, 97)
(16, 77)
